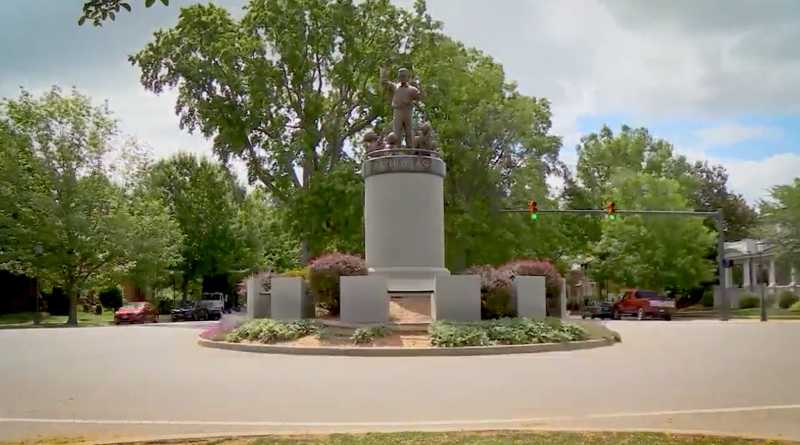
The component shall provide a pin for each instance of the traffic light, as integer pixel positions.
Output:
(533, 209)
(611, 209)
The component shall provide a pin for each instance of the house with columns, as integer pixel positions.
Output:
(753, 264)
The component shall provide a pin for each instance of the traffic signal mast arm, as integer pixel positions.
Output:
(619, 212)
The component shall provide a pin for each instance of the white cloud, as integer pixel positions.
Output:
(730, 134)
(753, 179)
(680, 59)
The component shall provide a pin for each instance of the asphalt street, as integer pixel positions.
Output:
(143, 381)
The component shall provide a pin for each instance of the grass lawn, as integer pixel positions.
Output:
(84, 319)
(462, 438)
(755, 312)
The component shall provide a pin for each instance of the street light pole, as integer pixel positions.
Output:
(724, 309)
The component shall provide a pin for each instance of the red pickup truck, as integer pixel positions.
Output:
(643, 304)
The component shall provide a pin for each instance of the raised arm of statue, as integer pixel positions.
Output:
(386, 82)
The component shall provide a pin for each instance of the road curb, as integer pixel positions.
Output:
(171, 439)
(388, 351)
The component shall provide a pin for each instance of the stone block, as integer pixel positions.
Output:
(364, 299)
(290, 301)
(530, 297)
(457, 298)
(258, 300)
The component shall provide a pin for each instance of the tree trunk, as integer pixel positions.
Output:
(72, 293)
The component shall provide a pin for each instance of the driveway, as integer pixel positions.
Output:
(736, 377)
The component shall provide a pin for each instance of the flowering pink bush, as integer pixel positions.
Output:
(324, 273)
(220, 329)
(486, 271)
(497, 284)
(525, 267)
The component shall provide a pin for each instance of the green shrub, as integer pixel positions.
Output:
(505, 331)
(297, 273)
(363, 336)
(795, 307)
(272, 331)
(111, 298)
(787, 299)
(323, 277)
(748, 301)
(98, 309)
(708, 298)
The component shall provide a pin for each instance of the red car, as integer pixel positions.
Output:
(139, 312)
(643, 304)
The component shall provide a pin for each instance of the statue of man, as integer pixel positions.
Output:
(405, 93)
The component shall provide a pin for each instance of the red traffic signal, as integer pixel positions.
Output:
(611, 209)
(533, 209)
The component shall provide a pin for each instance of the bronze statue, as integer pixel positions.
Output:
(424, 137)
(371, 141)
(392, 141)
(405, 94)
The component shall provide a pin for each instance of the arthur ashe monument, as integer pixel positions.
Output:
(403, 202)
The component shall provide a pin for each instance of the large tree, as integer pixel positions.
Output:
(61, 218)
(204, 199)
(626, 168)
(283, 88)
(780, 220)
(291, 86)
(656, 252)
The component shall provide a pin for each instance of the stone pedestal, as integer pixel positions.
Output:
(457, 298)
(363, 299)
(289, 299)
(530, 297)
(404, 220)
(258, 300)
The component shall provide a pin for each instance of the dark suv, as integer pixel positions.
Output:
(189, 310)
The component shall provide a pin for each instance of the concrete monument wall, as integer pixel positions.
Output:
(530, 297)
(258, 300)
(363, 299)
(289, 299)
(457, 298)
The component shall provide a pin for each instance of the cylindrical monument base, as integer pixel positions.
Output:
(404, 220)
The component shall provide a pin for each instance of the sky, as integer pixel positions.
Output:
(720, 79)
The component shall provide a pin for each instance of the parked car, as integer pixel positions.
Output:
(597, 309)
(189, 310)
(138, 312)
(214, 302)
(644, 304)
(213, 309)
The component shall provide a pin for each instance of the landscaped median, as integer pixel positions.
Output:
(458, 438)
(501, 336)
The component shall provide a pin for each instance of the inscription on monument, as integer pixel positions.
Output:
(391, 164)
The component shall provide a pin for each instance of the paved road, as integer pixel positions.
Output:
(737, 377)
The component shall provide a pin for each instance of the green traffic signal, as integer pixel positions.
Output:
(612, 217)
(534, 216)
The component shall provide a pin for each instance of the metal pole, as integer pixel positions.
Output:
(763, 294)
(724, 310)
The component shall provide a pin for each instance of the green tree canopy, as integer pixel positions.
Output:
(780, 220)
(656, 252)
(61, 218)
(219, 238)
(291, 86)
